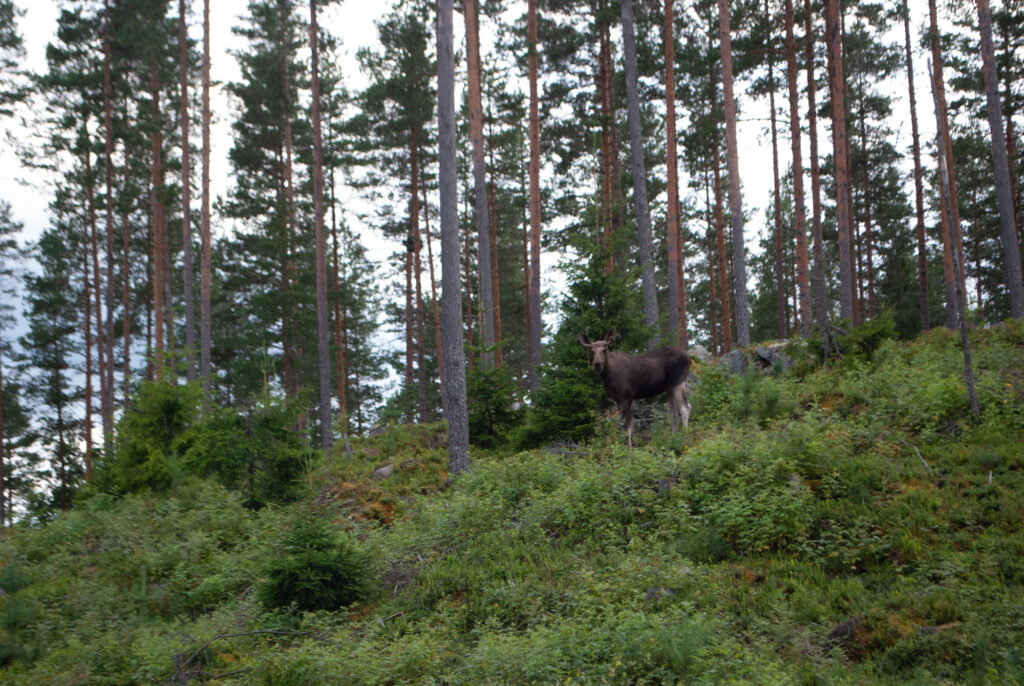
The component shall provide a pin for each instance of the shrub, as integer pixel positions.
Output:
(493, 408)
(316, 568)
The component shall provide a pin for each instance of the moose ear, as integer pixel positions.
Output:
(613, 336)
(584, 340)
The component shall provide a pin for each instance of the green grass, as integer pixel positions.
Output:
(793, 535)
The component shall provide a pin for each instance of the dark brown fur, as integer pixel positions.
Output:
(628, 377)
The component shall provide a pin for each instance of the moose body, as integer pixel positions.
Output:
(628, 377)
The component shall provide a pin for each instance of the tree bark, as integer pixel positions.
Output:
(476, 134)
(414, 238)
(106, 418)
(451, 315)
(205, 266)
(677, 324)
(1007, 226)
(922, 251)
(534, 291)
(636, 145)
(821, 307)
(492, 208)
(781, 296)
(107, 402)
(939, 86)
(186, 197)
(322, 327)
(723, 270)
(841, 159)
(739, 260)
(608, 144)
(800, 210)
(433, 290)
(159, 228)
(292, 382)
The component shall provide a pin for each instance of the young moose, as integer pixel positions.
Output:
(627, 377)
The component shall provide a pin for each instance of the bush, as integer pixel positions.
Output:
(316, 568)
(493, 407)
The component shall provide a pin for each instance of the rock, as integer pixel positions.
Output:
(383, 472)
(772, 357)
(735, 361)
(699, 352)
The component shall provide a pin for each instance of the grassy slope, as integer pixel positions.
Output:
(793, 535)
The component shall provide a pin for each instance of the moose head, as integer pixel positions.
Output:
(628, 377)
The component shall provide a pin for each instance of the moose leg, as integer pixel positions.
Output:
(626, 410)
(680, 406)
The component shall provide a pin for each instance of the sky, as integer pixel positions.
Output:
(353, 21)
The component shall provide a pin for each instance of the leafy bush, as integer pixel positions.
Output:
(862, 341)
(493, 406)
(315, 568)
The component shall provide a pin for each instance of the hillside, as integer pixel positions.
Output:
(847, 525)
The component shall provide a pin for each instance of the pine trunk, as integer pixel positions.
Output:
(841, 159)
(939, 93)
(157, 222)
(451, 317)
(322, 326)
(677, 324)
(414, 238)
(820, 307)
(922, 251)
(476, 134)
(205, 266)
(723, 270)
(433, 291)
(608, 153)
(87, 329)
(339, 350)
(636, 145)
(534, 290)
(800, 210)
(781, 298)
(1004, 192)
(186, 197)
(107, 402)
(739, 260)
(97, 292)
(492, 207)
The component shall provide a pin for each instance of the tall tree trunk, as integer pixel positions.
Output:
(414, 238)
(205, 266)
(451, 316)
(186, 197)
(433, 290)
(723, 270)
(107, 402)
(105, 417)
(781, 315)
(945, 213)
(323, 344)
(712, 298)
(939, 86)
(469, 293)
(126, 278)
(492, 207)
(821, 306)
(534, 292)
(677, 324)
(159, 228)
(739, 260)
(1007, 228)
(922, 251)
(608, 149)
(636, 145)
(841, 159)
(339, 349)
(800, 211)
(292, 381)
(476, 133)
(869, 249)
(410, 338)
(87, 328)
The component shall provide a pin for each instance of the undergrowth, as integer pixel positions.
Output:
(847, 525)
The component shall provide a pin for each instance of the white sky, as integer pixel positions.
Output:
(353, 21)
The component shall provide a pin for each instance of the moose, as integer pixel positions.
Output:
(628, 377)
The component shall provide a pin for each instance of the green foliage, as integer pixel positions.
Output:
(793, 536)
(165, 437)
(862, 341)
(492, 402)
(313, 568)
(19, 615)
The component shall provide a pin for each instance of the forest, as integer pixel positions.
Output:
(333, 424)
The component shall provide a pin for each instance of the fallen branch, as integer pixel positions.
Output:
(384, 619)
(926, 465)
(218, 637)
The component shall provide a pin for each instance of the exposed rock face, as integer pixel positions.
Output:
(699, 352)
(383, 472)
(766, 358)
